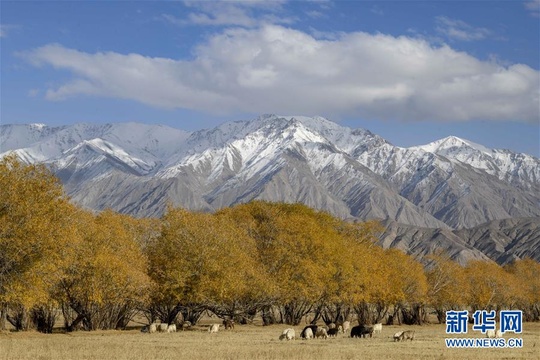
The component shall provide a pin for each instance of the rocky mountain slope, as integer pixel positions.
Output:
(422, 193)
(352, 173)
(502, 241)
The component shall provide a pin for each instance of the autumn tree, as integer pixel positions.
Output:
(408, 284)
(307, 256)
(355, 267)
(35, 235)
(106, 281)
(489, 285)
(203, 261)
(447, 285)
(524, 287)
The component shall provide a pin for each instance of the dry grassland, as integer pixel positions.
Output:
(251, 342)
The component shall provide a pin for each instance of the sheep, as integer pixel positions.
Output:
(214, 328)
(162, 327)
(321, 332)
(493, 334)
(377, 328)
(397, 336)
(186, 325)
(407, 335)
(362, 331)
(333, 332)
(344, 327)
(313, 330)
(307, 333)
(228, 324)
(287, 334)
(171, 328)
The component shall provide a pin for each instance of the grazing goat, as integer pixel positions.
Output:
(406, 335)
(362, 331)
(287, 334)
(214, 328)
(312, 329)
(333, 332)
(321, 332)
(171, 328)
(344, 326)
(307, 333)
(228, 324)
(397, 336)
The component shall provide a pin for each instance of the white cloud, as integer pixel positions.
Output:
(534, 7)
(314, 14)
(459, 30)
(4, 29)
(274, 69)
(376, 10)
(232, 13)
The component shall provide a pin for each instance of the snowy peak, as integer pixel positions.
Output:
(107, 150)
(246, 147)
(451, 143)
(521, 170)
(13, 137)
(137, 168)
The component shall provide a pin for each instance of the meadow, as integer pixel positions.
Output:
(254, 342)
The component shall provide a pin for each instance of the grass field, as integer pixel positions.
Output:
(252, 342)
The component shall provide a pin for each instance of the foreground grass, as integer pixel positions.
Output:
(252, 342)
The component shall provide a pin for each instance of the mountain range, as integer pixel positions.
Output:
(451, 184)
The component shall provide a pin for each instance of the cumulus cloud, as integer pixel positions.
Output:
(273, 69)
(459, 30)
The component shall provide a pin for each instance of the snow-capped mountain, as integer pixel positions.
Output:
(518, 169)
(352, 173)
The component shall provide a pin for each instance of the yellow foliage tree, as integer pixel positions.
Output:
(408, 285)
(312, 259)
(35, 235)
(447, 285)
(106, 281)
(357, 270)
(524, 287)
(203, 261)
(488, 285)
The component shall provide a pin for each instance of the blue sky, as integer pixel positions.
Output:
(410, 71)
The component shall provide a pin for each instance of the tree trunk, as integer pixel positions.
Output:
(412, 315)
(73, 326)
(44, 318)
(293, 312)
(3, 316)
(19, 319)
(268, 316)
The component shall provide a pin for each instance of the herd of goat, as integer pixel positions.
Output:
(309, 332)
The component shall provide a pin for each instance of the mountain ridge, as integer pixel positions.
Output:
(138, 168)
